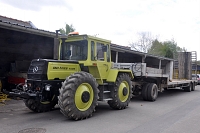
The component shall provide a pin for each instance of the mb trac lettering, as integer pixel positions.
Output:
(64, 68)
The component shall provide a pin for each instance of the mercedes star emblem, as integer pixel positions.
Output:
(35, 69)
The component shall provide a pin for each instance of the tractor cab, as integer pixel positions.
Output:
(91, 52)
(84, 47)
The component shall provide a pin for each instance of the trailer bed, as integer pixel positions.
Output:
(141, 70)
(179, 83)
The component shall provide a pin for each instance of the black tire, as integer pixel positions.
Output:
(145, 91)
(166, 89)
(193, 86)
(78, 96)
(1, 85)
(188, 88)
(121, 92)
(152, 92)
(37, 106)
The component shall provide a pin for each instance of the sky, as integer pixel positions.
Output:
(117, 20)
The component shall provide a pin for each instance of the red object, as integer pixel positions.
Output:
(94, 64)
(15, 80)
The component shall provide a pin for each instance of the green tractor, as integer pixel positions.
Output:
(82, 75)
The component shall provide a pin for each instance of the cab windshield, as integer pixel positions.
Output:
(76, 50)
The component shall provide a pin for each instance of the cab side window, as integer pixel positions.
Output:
(92, 51)
(108, 53)
(100, 53)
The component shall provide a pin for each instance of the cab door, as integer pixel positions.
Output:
(101, 57)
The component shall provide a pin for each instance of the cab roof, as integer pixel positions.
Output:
(85, 36)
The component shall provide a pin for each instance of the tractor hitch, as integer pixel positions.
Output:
(20, 94)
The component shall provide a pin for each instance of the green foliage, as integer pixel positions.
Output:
(62, 31)
(67, 29)
(167, 49)
(156, 48)
(146, 43)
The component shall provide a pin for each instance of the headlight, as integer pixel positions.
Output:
(47, 87)
(25, 87)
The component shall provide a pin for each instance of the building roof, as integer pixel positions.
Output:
(23, 26)
(18, 22)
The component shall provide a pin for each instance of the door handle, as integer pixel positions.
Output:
(107, 66)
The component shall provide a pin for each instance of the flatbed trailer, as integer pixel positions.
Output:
(155, 73)
(148, 81)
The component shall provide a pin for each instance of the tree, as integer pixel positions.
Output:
(167, 49)
(156, 48)
(143, 43)
(160, 49)
(174, 48)
(67, 30)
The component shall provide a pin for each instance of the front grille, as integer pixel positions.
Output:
(36, 67)
(37, 70)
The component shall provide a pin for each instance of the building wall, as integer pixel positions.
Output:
(20, 46)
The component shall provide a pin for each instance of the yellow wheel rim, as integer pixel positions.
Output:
(80, 104)
(123, 97)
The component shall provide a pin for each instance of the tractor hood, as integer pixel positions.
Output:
(46, 69)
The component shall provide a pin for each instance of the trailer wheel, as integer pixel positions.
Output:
(193, 86)
(188, 88)
(152, 92)
(78, 96)
(145, 91)
(121, 92)
(166, 89)
(37, 106)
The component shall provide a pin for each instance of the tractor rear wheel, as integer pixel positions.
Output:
(121, 92)
(78, 96)
(37, 106)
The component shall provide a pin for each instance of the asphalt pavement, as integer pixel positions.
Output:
(174, 111)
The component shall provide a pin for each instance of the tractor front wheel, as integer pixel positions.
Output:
(121, 92)
(37, 106)
(78, 96)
